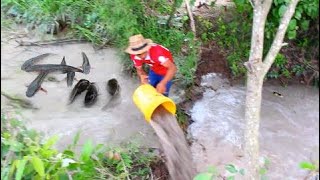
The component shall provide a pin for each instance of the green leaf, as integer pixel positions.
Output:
(230, 178)
(282, 9)
(38, 165)
(262, 171)
(307, 165)
(20, 167)
(203, 176)
(292, 24)
(297, 15)
(16, 146)
(87, 151)
(76, 138)
(305, 25)
(292, 34)
(231, 168)
(51, 141)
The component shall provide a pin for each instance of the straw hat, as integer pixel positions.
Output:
(138, 44)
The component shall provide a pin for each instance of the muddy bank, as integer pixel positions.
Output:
(116, 124)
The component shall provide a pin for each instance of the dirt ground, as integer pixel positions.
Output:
(211, 60)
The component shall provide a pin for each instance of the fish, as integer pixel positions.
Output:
(113, 87)
(70, 78)
(85, 65)
(70, 75)
(277, 94)
(50, 68)
(24, 103)
(35, 85)
(91, 95)
(33, 60)
(63, 62)
(80, 87)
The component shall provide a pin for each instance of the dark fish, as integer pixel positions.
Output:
(85, 65)
(33, 60)
(63, 62)
(113, 87)
(91, 95)
(277, 94)
(53, 68)
(35, 85)
(81, 86)
(70, 77)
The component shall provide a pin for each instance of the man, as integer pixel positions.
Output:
(159, 58)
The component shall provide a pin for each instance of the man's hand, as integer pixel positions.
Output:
(161, 88)
(144, 79)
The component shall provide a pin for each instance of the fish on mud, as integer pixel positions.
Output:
(32, 61)
(63, 62)
(50, 68)
(91, 95)
(70, 78)
(80, 87)
(35, 85)
(70, 75)
(24, 103)
(113, 87)
(85, 65)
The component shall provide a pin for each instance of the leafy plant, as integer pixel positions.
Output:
(25, 154)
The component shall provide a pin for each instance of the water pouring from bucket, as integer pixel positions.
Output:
(159, 111)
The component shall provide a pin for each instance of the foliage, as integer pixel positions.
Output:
(232, 31)
(212, 173)
(231, 171)
(309, 166)
(25, 154)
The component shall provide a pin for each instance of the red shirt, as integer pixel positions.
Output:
(157, 55)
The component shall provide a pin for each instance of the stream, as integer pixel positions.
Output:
(289, 128)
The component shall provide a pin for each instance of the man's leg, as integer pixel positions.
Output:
(154, 79)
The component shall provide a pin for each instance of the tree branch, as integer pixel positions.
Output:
(266, 5)
(192, 25)
(278, 40)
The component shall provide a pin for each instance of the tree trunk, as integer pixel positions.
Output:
(256, 72)
(252, 117)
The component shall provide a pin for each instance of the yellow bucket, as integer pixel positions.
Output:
(147, 99)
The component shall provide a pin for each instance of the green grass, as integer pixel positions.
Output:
(26, 154)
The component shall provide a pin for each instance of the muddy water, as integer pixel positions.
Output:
(120, 122)
(178, 156)
(289, 131)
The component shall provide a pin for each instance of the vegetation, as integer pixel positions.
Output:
(232, 32)
(25, 154)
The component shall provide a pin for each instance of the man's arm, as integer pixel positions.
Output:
(143, 75)
(172, 69)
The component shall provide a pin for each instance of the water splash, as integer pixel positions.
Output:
(178, 156)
